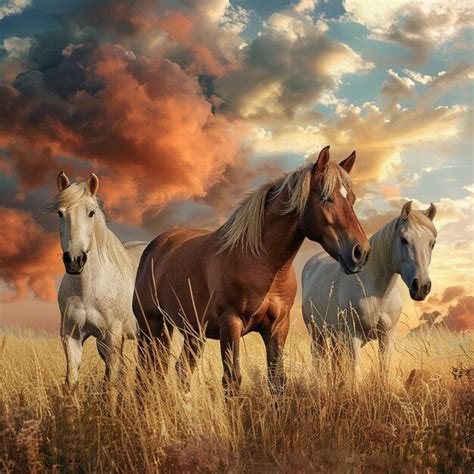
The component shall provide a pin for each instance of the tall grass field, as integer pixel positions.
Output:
(419, 418)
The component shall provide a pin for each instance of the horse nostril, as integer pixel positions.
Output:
(67, 257)
(428, 287)
(82, 259)
(357, 253)
(414, 286)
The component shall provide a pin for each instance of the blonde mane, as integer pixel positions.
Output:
(244, 228)
(107, 244)
(381, 241)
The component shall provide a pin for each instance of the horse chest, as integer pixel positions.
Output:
(369, 311)
(91, 304)
(373, 312)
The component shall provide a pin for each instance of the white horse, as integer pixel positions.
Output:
(358, 308)
(95, 296)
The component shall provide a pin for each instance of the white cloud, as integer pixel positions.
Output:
(212, 9)
(235, 19)
(420, 25)
(16, 49)
(304, 6)
(287, 67)
(418, 77)
(12, 7)
(448, 211)
(397, 86)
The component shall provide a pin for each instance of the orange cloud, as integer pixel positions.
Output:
(461, 315)
(449, 294)
(29, 256)
(205, 57)
(144, 124)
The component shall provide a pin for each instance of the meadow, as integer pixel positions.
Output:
(419, 418)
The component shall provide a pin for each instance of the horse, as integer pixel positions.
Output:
(356, 309)
(95, 296)
(239, 278)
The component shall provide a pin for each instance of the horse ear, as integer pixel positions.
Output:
(322, 160)
(406, 209)
(62, 181)
(348, 163)
(93, 184)
(431, 212)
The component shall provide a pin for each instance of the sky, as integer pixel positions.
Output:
(182, 106)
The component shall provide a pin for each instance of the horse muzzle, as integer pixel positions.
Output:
(418, 291)
(354, 261)
(74, 266)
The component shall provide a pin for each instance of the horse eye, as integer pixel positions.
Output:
(60, 214)
(404, 241)
(326, 199)
(91, 214)
(433, 244)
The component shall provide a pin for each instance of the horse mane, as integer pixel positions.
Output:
(108, 245)
(244, 227)
(381, 241)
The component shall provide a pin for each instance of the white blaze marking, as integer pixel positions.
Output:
(343, 191)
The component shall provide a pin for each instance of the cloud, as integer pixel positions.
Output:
(199, 45)
(457, 317)
(461, 315)
(286, 68)
(16, 48)
(448, 212)
(396, 88)
(13, 7)
(29, 256)
(144, 124)
(419, 26)
(449, 294)
(380, 136)
(460, 74)
(235, 19)
(196, 35)
(210, 211)
(213, 9)
(15, 60)
(419, 77)
(305, 6)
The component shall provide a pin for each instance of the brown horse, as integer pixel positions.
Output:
(239, 278)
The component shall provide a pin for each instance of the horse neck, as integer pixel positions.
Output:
(380, 268)
(282, 236)
(105, 242)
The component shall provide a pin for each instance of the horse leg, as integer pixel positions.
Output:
(336, 354)
(319, 351)
(386, 341)
(342, 345)
(73, 349)
(274, 337)
(231, 327)
(153, 350)
(355, 345)
(101, 349)
(191, 352)
(113, 354)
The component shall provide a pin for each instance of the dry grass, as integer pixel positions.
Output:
(421, 419)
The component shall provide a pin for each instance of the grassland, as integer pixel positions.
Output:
(420, 422)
